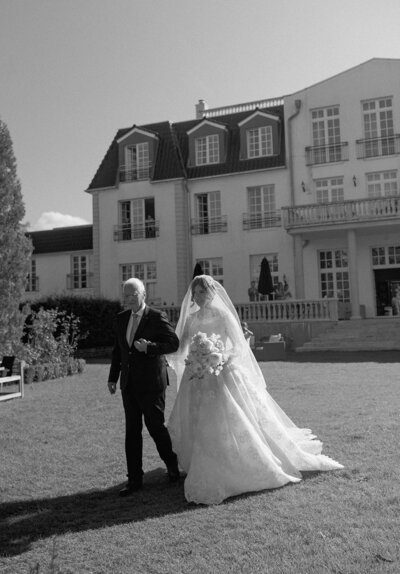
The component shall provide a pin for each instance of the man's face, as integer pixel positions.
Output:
(134, 296)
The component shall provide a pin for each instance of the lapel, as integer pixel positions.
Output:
(124, 324)
(142, 323)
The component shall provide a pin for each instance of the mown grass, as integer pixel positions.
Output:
(62, 463)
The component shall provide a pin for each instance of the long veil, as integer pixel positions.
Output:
(223, 307)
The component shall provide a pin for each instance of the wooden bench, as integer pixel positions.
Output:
(12, 387)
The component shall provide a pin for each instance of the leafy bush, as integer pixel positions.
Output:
(96, 316)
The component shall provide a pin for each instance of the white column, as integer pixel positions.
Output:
(353, 274)
(298, 267)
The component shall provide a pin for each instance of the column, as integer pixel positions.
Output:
(298, 267)
(353, 274)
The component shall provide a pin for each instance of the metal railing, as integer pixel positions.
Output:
(327, 153)
(245, 107)
(79, 281)
(206, 225)
(128, 232)
(378, 147)
(286, 311)
(261, 220)
(134, 173)
(357, 210)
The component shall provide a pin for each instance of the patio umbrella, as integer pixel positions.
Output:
(197, 270)
(265, 284)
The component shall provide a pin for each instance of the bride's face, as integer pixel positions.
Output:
(201, 296)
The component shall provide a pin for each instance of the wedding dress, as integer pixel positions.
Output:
(230, 436)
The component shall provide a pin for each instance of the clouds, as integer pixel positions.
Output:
(52, 219)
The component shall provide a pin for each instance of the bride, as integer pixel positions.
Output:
(229, 434)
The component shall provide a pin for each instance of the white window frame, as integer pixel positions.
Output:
(334, 274)
(325, 125)
(329, 190)
(385, 256)
(259, 142)
(32, 283)
(378, 123)
(132, 219)
(146, 272)
(137, 161)
(382, 183)
(213, 266)
(80, 271)
(261, 206)
(207, 149)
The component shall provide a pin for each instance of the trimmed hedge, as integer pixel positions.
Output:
(46, 371)
(96, 317)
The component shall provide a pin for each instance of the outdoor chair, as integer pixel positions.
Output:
(8, 363)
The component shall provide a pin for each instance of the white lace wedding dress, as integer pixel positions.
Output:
(230, 435)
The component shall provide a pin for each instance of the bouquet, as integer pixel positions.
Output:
(205, 356)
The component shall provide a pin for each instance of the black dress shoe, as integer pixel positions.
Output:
(130, 488)
(173, 473)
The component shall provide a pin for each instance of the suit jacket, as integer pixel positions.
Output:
(145, 372)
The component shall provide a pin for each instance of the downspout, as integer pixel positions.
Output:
(297, 104)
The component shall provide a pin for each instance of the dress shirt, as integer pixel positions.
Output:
(134, 321)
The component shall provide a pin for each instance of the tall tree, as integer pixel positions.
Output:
(15, 248)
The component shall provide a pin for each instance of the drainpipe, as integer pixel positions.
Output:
(297, 240)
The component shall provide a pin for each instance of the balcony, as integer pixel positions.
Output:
(207, 225)
(378, 147)
(129, 232)
(261, 220)
(130, 173)
(327, 153)
(352, 211)
(79, 281)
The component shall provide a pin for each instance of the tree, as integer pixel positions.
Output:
(15, 248)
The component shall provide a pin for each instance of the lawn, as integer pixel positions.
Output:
(62, 463)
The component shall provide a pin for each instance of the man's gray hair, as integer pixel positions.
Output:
(135, 282)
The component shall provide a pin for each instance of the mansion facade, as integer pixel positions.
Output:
(310, 181)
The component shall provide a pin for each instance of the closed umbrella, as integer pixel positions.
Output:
(197, 270)
(265, 284)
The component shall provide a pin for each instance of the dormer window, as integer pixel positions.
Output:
(137, 151)
(207, 149)
(259, 135)
(207, 143)
(259, 142)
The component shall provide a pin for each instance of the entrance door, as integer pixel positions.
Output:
(386, 281)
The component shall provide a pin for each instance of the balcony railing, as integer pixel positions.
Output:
(261, 220)
(206, 225)
(134, 173)
(128, 232)
(378, 147)
(327, 153)
(360, 210)
(32, 285)
(79, 281)
(287, 311)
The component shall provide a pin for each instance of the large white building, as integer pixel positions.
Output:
(310, 181)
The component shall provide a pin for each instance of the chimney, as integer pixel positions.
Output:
(201, 108)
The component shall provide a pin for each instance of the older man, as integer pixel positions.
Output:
(142, 337)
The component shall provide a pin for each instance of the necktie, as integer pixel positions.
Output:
(134, 324)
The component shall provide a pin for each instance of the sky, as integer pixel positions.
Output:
(73, 72)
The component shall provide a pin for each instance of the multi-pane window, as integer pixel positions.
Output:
(334, 274)
(136, 219)
(80, 272)
(378, 126)
(329, 190)
(385, 256)
(255, 267)
(261, 207)
(208, 213)
(32, 283)
(259, 142)
(382, 183)
(213, 267)
(326, 135)
(146, 272)
(137, 161)
(207, 149)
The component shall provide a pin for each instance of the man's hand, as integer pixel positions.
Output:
(112, 387)
(141, 345)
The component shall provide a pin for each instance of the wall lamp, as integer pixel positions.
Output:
(303, 186)
(354, 181)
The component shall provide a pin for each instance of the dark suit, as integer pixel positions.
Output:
(143, 380)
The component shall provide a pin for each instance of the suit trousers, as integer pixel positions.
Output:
(150, 407)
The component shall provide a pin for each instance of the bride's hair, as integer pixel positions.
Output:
(206, 282)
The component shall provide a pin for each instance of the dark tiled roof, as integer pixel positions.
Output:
(78, 238)
(174, 144)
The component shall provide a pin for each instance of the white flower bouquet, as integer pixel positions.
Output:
(205, 356)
